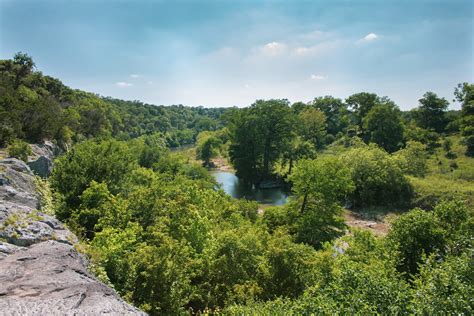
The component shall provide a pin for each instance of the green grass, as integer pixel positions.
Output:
(450, 175)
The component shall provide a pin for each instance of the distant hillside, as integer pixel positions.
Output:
(35, 107)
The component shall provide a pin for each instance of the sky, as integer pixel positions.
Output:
(231, 53)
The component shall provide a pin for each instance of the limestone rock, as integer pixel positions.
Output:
(50, 278)
(41, 273)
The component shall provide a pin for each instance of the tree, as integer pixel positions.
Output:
(384, 127)
(312, 126)
(413, 159)
(431, 112)
(336, 112)
(298, 149)
(361, 103)
(378, 178)
(208, 145)
(259, 136)
(413, 235)
(24, 65)
(324, 180)
(464, 94)
(106, 161)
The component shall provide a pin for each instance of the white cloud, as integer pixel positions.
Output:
(273, 48)
(318, 49)
(122, 84)
(150, 82)
(369, 37)
(246, 86)
(317, 77)
(134, 76)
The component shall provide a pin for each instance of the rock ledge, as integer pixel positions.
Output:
(41, 273)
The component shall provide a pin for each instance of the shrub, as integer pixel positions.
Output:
(378, 178)
(19, 149)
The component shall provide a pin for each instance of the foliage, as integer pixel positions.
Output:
(419, 234)
(19, 149)
(378, 178)
(208, 145)
(336, 112)
(464, 94)
(431, 112)
(383, 127)
(323, 180)
(259, 135)
(413, 159)
(35, 107)
(312, 126)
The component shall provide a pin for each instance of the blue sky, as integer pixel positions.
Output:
(225, 53)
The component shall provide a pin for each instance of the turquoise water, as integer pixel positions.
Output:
(231, 184)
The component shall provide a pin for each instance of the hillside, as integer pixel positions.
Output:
(158, 229)
(41, 272)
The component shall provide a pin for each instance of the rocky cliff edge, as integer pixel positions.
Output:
(41, 273)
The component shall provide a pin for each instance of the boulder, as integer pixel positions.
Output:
(41, 161)
(42, 166)
(41, 273)
(50, 278)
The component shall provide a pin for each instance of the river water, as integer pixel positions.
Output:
(231, 184)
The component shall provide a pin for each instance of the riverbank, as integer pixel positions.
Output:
(221, 164)
(361, 220)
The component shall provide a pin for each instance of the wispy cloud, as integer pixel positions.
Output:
(318, 49)
(369, 38)
(317, 77)
(123, 84)
(134, 76)
(273, 48)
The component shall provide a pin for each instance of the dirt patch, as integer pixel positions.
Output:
(221, 164)
(378, 227)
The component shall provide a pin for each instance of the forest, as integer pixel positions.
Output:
(158, 228)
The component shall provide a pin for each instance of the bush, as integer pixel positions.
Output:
(413, 235)
(19, 149)
(378, 178)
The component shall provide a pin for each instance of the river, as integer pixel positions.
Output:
(231, 184)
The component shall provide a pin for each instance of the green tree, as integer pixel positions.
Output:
(383, 126)
(106, 161)
(298, 149)
(444, 287)
(413, 235)
(23, 65)
(378, 178)
(259, 136)
(336, 112)
(324, 180)
(413, 159)
(312, 126)
(464, 94)
(208, 145)
(431, 112)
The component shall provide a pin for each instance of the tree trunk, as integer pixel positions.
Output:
(266, 158)
(303, 206)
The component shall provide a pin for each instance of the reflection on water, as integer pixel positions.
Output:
(231, 184)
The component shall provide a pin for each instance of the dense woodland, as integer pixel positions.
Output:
(158, 229)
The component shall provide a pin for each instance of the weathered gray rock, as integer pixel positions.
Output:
(41, 162)
(42, 166)
(17, 184)
(41, 273)
(50, 278)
